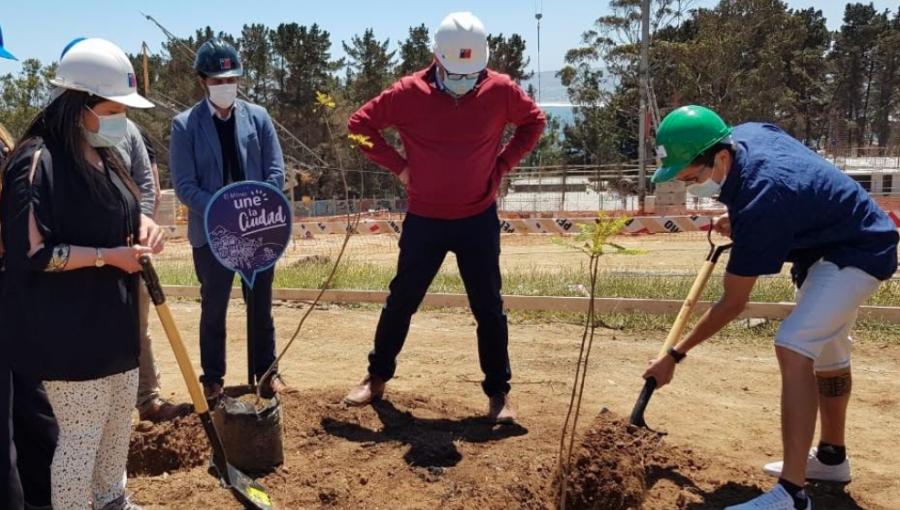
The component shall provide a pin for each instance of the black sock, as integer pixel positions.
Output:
(798, 494)
(831, 455)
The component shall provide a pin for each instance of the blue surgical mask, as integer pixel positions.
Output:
(706, 189)
(461, 87)
(112, 130)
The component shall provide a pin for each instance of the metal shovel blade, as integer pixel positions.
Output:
(637, 414)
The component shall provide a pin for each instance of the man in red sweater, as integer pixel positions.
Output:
(451, 118)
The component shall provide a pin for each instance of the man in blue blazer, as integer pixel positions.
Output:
(219, 141)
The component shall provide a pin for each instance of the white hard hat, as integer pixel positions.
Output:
(460, 43)
(99, 67)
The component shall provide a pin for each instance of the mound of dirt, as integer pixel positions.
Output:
(618, 466)
(167, 447)
(609, 469)
(412, 452)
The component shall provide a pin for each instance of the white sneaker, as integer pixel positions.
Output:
(815, 470)
(776, 499)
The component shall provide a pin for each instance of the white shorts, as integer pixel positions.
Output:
(827, 305)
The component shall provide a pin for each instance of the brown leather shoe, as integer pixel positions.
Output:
(213, 391)
(368, 391)
(159, 410)
(277, 385)
(501, 410)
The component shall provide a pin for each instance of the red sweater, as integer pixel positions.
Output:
(452, 145)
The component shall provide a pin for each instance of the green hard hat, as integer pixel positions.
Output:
(683, 135)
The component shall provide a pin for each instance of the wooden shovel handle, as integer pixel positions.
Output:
(688, 306)
(174, 336)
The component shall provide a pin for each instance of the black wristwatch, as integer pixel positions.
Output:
(677, 356)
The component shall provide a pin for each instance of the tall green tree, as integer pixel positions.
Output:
(303, 67)
(855, 64)
(738, 62)
(415, 51)
(24, 94)
(508, 56)
(370, 66)
(601, 77)
(807, 77)
(614, 40)
(256, 54)
(886, 81)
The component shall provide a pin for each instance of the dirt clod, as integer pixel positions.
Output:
(167, 447)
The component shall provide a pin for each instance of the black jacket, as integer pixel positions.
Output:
(73, 325)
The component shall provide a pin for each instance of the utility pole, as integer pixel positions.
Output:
(538, 15)
(644, 87)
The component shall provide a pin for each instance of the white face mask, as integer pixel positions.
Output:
(461, 87)
(706, 189)
(223, 95)
(112, 130)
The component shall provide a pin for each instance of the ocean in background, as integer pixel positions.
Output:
(563, 112)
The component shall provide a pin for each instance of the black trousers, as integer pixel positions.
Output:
(29, 433)
(215, 293)
(424, 244)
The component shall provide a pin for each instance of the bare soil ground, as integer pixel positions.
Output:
(426, 446)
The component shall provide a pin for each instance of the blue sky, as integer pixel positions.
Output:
(40, 29)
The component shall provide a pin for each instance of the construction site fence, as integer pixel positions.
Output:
(336, 211)
(554, 193)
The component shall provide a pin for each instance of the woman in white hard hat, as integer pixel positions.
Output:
(73, 232)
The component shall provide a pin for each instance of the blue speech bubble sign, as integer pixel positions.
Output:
(248, 227)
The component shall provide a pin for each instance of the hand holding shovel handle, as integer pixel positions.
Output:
(637, 414)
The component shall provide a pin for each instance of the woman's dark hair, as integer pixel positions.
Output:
(60, 122)
(707, 157)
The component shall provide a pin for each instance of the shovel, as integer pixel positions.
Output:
(252, 495)
(715, 251)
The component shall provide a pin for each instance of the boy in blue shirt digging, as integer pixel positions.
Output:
(785, 204)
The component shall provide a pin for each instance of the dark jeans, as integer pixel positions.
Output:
(29, 433)
(423, 245)
(215, 293)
